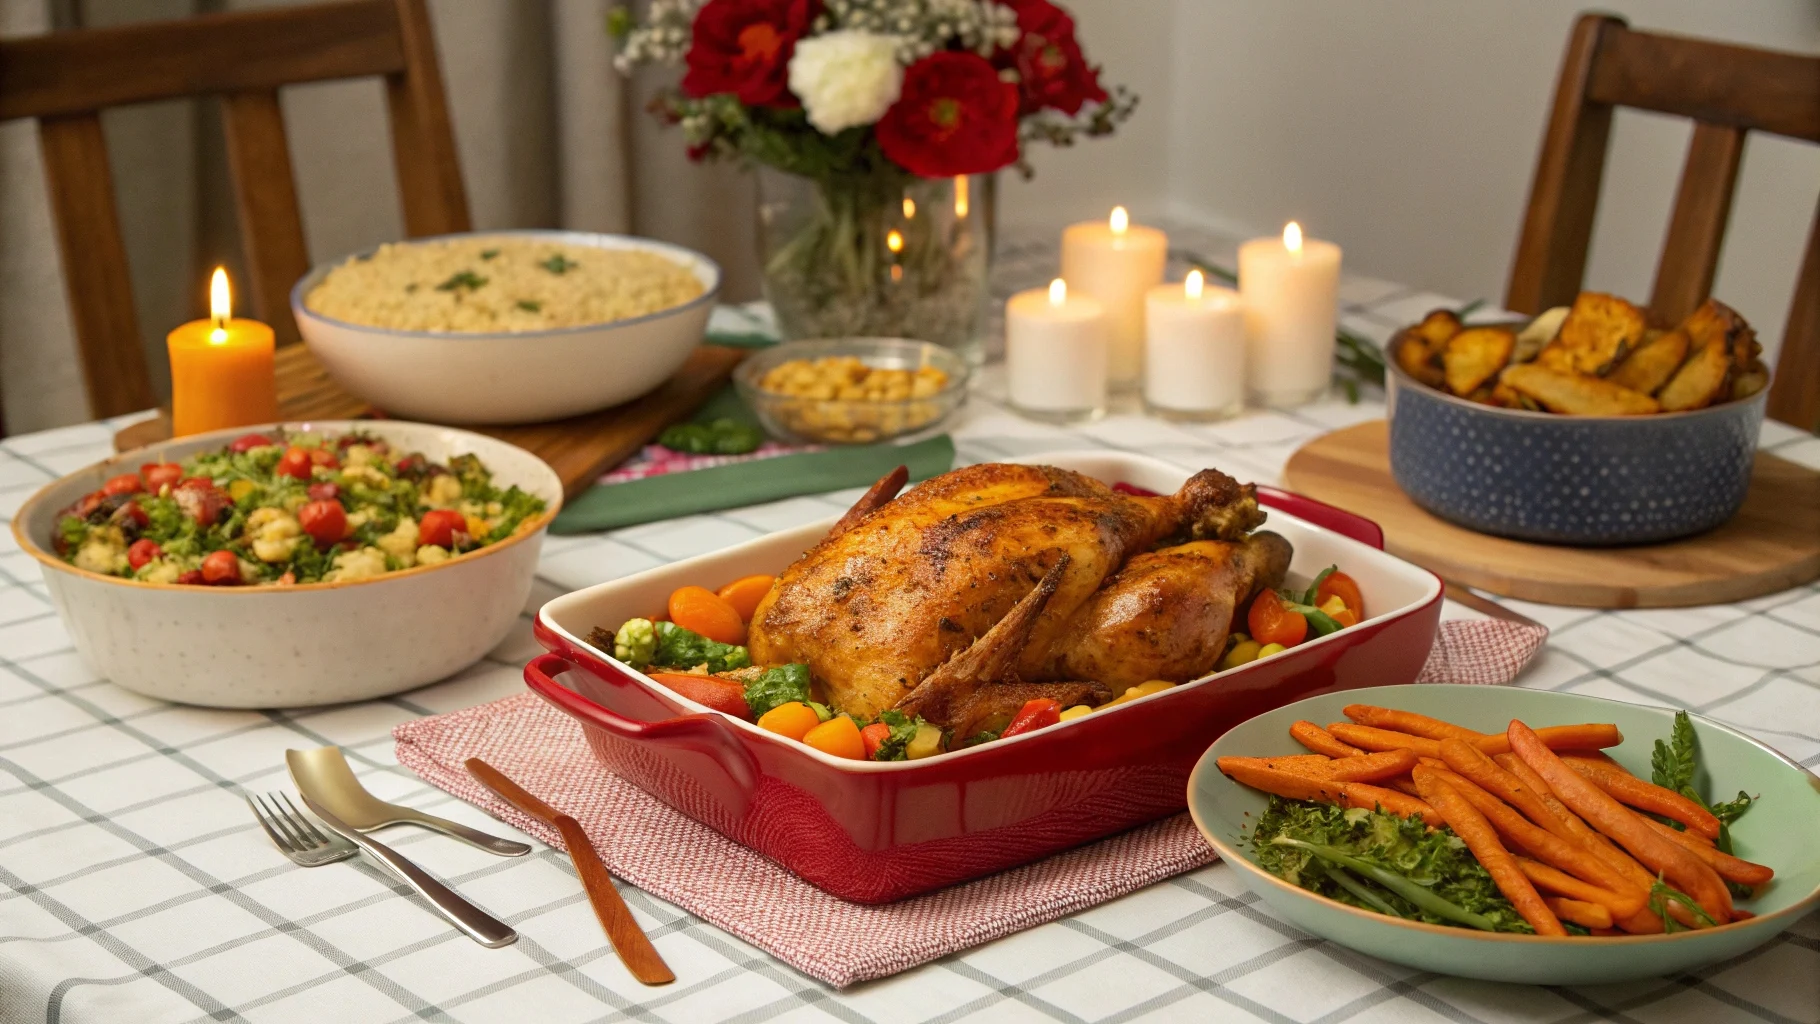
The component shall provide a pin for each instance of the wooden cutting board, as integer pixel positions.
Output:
(579, 448)
(1773, 543)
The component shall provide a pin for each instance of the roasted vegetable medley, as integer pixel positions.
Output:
(696, 648)
(274, 509)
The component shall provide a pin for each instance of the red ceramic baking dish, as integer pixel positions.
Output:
(872, 832)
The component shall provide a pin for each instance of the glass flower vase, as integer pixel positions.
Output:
(876, 254)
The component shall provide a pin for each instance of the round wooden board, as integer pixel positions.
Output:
(1773, 543)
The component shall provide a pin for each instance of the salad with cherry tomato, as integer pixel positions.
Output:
(1281, 619)
(274, 509)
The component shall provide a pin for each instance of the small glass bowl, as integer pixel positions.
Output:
(820, 418)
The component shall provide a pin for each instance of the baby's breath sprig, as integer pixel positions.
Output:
(663, 38)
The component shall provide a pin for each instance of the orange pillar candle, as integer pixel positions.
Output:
(221, 369)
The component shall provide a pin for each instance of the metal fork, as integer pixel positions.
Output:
(295, 835)
(307, 845)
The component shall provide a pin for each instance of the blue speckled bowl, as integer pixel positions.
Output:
(1588, 480)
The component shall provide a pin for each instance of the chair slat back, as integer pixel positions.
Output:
(64, 80)
(1728, 91)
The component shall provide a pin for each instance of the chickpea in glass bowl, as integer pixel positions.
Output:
(852, 390)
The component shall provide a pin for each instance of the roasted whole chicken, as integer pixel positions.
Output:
(996, 583)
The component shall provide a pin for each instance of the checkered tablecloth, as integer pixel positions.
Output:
(134, 886)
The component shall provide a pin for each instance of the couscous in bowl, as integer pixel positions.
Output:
(490, 359)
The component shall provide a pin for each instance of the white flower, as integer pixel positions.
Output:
(846, 78)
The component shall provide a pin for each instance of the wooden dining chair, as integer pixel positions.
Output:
(65, 79)
(1727, 91)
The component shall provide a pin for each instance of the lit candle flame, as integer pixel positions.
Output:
(221, 305)
(1121, 220)
(1193, 284)
(960, 197)
(1292, 237)
(895, 241)
(1058, 292)
(909, 208)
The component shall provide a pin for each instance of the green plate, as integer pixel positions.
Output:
(1782, 831)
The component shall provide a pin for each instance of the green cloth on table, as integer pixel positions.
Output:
(610, 506)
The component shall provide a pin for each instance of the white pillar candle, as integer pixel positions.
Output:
(1117, 262)
(1290, 288)
(1056, 354)
(1194, 351)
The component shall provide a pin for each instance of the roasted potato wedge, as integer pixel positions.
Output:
(1475, 356)
(1716, 323)
(1503, 394)
(1705, 378)
(1417, 359)
(1576, 394)
(1751, 381)
(1438, 327)
(1537, 333)
(1652, 363)
(1599, 330)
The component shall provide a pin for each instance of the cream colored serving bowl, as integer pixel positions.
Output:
(314, 643)
(513, 377)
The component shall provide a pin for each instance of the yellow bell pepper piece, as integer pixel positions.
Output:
(1269, 649)
(1243, 653)
(239, 489)
(1078, 711)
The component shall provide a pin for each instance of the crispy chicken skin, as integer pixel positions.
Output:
(874, 610)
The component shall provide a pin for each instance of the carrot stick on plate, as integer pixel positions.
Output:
(1473, 763)
(1646, 796)
(1471, 826)
(1246, 771)
(1561, 737)
(1387, 764)
(1730, 868)
(1552, 879)
(1569, 856)
(1321, 741)
(1409, 722)
(1373, 738)
(1677, 864)
(1312, 765)
(1586, 915)
(1373, 798)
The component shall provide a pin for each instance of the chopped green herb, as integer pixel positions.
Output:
(719, 437)
(559, 264)
(465, 279)
(780, 685)
(903, 730)
(487, 254)
(530, 306)
(680, 648)
(1662, 894)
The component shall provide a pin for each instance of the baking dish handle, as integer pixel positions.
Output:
(700, 732)
(1326, 516)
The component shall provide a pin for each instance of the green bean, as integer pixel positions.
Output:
(1419, 895)
(1344, 880)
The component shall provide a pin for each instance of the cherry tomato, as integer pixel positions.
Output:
(248, 442)
(159, 475)
(295, 463)
(1035, 714)
(325, 521)
(874, 736)
(221, 569)
(132, 513)
(1344, 587)
(323, 457)
(143, 550)
(193, 578)
(410, 465)
(1272, 622)
(439, 527)
(324, 491)
(201, 500)
(125, 483)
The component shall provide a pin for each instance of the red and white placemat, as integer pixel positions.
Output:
(674, 858)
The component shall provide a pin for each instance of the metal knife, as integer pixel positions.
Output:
(628, 939)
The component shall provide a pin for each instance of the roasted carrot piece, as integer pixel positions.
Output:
(1586, 915)
(1471, 826)
(1473, 763)
(1730, 868)
(1296, 787)
(1646, 796)
(1552, 879)
(745, 593)
(1571, 857)
(1408, 721)
(1386, 764)
(1561, 737)
(701, 610)
(1678, 865)
(1373, 798)
(1321, 741)
(1372, 738)
(1403, 784)
(1312, 765)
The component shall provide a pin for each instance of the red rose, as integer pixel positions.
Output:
(1051, 70)
(954, 116)
(744, 47)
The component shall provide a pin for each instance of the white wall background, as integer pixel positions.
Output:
(1407, 131)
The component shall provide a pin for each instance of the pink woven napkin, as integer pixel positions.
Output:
(694, 867)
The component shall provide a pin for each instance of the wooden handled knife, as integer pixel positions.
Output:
(629, 940)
